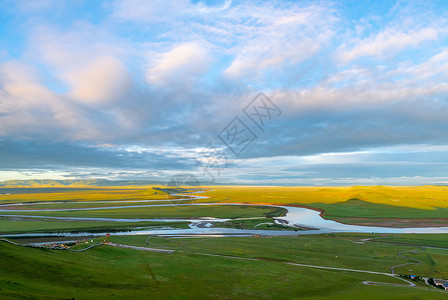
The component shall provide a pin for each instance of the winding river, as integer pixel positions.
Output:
(295, 217)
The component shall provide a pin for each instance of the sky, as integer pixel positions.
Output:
(246, 92)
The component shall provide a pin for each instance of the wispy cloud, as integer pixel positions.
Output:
(179, 65)
(388, 42)
(169, 75)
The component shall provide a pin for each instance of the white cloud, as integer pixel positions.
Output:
(179, 65)
(256, 36)
(63, 50)
(29, 109)
(149, 11)
(387, 42)
(104, 79)
(277, 39)
(373, 86)
(168, 10)
(203, 62)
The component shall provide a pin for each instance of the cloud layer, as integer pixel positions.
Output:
(99, 80)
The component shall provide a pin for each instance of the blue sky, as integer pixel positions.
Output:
(137, 89)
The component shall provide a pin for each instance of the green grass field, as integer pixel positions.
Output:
(261, 224)
(79, 194)
(364, 209)
(230, 212)
(430, 240)
(425, 198)
(107, 272)
(376, 201)
(11, 226)
(336, 250)
(377, 206)
(114, 273)
(361, 205)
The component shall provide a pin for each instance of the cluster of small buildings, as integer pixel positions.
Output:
(56, 246)
(441, 283)
(63, 245)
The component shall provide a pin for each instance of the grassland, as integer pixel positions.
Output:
(336, 250)
(114, 273)
(377, 206)
(70, 198)
(421, 197)
(212, 211)
(427, 239)
(13, 226)
(362, 205)
(14, 195)
(260, 224)
(107, 272)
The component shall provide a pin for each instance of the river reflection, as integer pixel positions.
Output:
(295, 217)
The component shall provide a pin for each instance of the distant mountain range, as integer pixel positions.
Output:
(83, 183)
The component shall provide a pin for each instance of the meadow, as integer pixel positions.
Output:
(420, 197)
(361, 205)
(116, 273)
(211, 211)
(22, 225)
(224, 268)
(374, 205)
(35, 194)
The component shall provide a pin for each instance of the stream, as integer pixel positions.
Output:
(295, 217)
